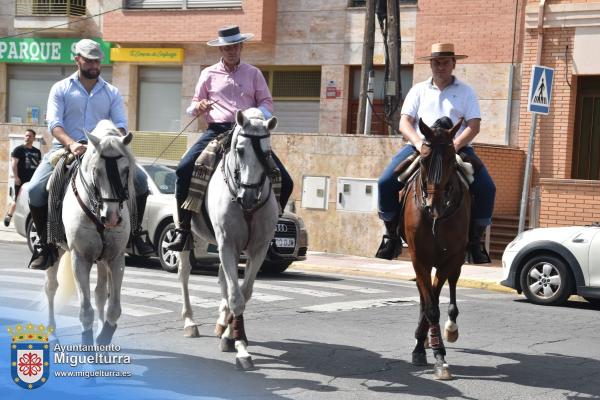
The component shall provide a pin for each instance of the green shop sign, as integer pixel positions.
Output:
(44, 50)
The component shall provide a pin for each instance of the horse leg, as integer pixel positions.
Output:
(50, 287)
(253, 264)
(190, 328)
(419, 357)
(441, 368)
(115, 269)
(81, 270)
(223, 319)
(451, 327)
(101, 292)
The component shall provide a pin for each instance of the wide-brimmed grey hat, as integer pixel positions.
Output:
(89, 49)
(229, 35)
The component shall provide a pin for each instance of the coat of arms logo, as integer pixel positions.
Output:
(30, 355)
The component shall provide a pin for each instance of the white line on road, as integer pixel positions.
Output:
(370, 303)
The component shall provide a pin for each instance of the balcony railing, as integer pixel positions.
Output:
(27, 8)
(183, 4)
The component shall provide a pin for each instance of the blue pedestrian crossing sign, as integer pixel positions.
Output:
(540, 90)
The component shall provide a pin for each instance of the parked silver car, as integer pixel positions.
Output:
(289, 244)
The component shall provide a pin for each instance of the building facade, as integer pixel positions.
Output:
(310, 52)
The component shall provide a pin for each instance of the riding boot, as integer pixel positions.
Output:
(45, 255)
(184, 224)
(391, 244)
(476, 253)
(139, 237)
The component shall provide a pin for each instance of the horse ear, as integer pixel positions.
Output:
(455, 128)
(93, 139)
(271, 123)
(239, 118)
(127, 138)
(425, 130)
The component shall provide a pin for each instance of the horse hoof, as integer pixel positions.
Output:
(442, 372)
(226, 345)
(244, 363)
(105, 336)
(450, 336)
(219, 329)
(191, 331)
(87, 337)
(419, 359)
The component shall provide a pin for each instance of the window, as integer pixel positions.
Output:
(50, 7)
(29, 86)
(378, 123)
(363, 3)
(182, 4)
(586, 140)
(159, 99)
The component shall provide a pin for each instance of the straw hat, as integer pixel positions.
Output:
(443, 50)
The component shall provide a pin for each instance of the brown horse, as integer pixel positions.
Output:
(436, 226)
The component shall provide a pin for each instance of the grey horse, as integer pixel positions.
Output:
(244, 212)
(97, 225)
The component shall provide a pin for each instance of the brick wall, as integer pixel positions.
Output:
(478, 28)
(172, 26)
(569, 202)
(554, 134)
(506, 166)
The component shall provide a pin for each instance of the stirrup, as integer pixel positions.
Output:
(141, 242)
(476, 254)
(44, 256)
(181, 241)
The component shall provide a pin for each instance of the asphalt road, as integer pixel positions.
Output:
(314, 336)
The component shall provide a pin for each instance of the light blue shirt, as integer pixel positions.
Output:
(74, 109)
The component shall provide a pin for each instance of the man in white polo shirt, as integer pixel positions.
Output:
(442, 95)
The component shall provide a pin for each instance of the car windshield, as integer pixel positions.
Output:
(164, 177)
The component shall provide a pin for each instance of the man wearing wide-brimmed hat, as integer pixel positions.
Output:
(223, 88)
(442, 95)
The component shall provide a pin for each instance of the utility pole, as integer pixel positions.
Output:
(367, 63)
(393, 90)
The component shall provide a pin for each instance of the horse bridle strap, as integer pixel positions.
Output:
(99, 225)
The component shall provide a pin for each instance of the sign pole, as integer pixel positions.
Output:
(527, 177)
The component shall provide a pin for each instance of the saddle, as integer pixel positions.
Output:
(205, 167)
(64, 167)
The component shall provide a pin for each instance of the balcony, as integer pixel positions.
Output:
(45, 14)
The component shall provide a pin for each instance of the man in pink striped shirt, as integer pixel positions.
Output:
(223, 88)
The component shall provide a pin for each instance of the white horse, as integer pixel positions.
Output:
(96, 217)
(244, 212)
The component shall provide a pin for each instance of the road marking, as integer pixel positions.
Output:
(139, 310)
(339, 286)
(170, 297)
(370, 303)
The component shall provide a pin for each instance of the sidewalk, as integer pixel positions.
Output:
(474, 276)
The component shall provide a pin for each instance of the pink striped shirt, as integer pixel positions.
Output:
(240, 89)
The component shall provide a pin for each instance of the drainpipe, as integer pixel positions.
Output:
(527, 178)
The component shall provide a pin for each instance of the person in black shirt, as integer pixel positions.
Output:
(25, 159)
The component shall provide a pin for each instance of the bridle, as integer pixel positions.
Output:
(118, 190)
(233, 178)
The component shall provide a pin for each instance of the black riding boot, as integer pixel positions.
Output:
(391, 244)
(139, 238)
(183, 229)
(45, 254)
(476, 253)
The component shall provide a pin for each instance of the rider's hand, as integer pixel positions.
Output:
(77, 148)
(204, 105)
(418, 145)
(17, 180)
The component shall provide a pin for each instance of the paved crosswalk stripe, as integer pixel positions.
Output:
(19, 314)
(139, 310)
(338, 286)
(170, 297)
(370, 303)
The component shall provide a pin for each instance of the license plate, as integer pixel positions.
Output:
(285, 242)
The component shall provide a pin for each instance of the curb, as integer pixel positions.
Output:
(462, 282)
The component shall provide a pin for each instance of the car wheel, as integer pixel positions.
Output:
(546, 280)
(169, 259)
(270, 267)
(32, 236)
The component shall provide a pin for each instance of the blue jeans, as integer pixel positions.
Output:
(186, 165)
(482, 188)
(38, 195)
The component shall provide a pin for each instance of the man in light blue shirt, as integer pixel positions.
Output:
(75, 104)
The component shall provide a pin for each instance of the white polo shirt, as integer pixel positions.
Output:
(428, 102)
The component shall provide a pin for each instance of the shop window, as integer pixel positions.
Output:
(28, 89)
(159, 99)
(378, 121)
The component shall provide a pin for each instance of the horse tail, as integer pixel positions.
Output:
(66, 280)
